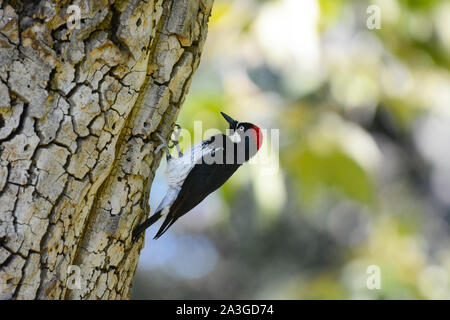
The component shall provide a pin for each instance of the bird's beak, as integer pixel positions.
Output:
(230, 120)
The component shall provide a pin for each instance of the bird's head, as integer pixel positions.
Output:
(241, 130)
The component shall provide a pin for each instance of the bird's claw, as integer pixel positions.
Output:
(175, 142)
(162, 145)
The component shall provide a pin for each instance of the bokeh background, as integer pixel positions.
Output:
(361, 173)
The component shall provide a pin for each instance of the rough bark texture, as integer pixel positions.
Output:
(77, 111)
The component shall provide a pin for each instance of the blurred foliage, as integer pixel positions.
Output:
(363, 176)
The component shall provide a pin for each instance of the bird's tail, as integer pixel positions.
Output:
(166, 225)
(147, 223)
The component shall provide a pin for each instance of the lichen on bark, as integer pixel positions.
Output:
(78, 111)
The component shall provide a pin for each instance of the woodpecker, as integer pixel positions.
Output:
(206, 167)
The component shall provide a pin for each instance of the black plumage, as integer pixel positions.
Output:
(221, 159)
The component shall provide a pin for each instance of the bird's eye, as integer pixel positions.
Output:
(241, 128)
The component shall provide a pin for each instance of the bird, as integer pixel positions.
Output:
(202, 170)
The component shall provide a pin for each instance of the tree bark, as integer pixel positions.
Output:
(78, 106)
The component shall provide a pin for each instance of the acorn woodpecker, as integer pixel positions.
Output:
(205, 168)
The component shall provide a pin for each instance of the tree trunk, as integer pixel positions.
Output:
(79, 101)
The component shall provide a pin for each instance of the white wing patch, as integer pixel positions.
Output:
(169, 198)
(178, 168)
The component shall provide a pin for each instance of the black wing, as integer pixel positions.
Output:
(200, 182)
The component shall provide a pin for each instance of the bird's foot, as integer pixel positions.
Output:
(175, 141)
(163, 145)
